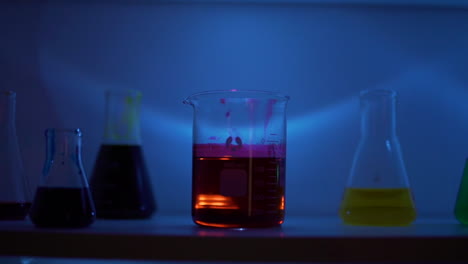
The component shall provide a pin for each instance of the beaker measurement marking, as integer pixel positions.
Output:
(258, 197)
(263, 196)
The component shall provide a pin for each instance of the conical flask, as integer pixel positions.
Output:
(378, 191)
(15, 197)
(63, 198)
(120, 181)
(461, 205)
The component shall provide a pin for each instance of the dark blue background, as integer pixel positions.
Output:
(61, 57)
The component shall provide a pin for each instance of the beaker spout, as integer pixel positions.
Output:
(187, 101)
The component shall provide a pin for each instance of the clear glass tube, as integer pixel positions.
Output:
(63, 166)
(378, 118)
(123, 118)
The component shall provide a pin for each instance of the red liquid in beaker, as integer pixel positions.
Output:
(233, 191)
(14, 210)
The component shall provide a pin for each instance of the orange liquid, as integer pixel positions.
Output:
(238, 192)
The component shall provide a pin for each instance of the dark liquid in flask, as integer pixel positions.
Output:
(14, 210)
(238, 192)
(62, 207)
(120, 185)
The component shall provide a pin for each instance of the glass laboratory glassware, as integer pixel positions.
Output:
(461, 205)
(120, 181)
(239, 158)
(15, 197)
(378, 191)
(63, 198)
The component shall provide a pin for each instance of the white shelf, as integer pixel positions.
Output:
(298, 240)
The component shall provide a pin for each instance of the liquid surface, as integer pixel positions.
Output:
(238, 192)
(461, 205)
(239, 150)
(378, 207)
(62, 207)
(120, 183)
(14, 211)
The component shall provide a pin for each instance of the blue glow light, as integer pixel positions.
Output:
(164, 124)
(319, 120)
(65, 81)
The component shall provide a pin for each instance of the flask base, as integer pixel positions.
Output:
(461, 214)
(12, 211)
(62, 207)
(120, 184)
(224, 219)
(378, 216)
(378, 207)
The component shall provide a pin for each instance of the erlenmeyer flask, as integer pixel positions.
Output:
(120, 182)
(461, 205)
(15, 198)
(63, 198)
(378, 191)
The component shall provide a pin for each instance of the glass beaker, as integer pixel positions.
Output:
(15, 198)
(461, 205)
(63, 198)
(239, 158)
(120, 181)
(378, 191)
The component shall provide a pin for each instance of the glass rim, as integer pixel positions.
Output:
(383, 92)
(239, 93)
(75, 131)
(8, 93)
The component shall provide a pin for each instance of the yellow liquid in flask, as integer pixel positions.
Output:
(378, 207)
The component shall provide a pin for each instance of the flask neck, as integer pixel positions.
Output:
(122, 118)
(63, 166)
(378, 118)
(7, 109)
